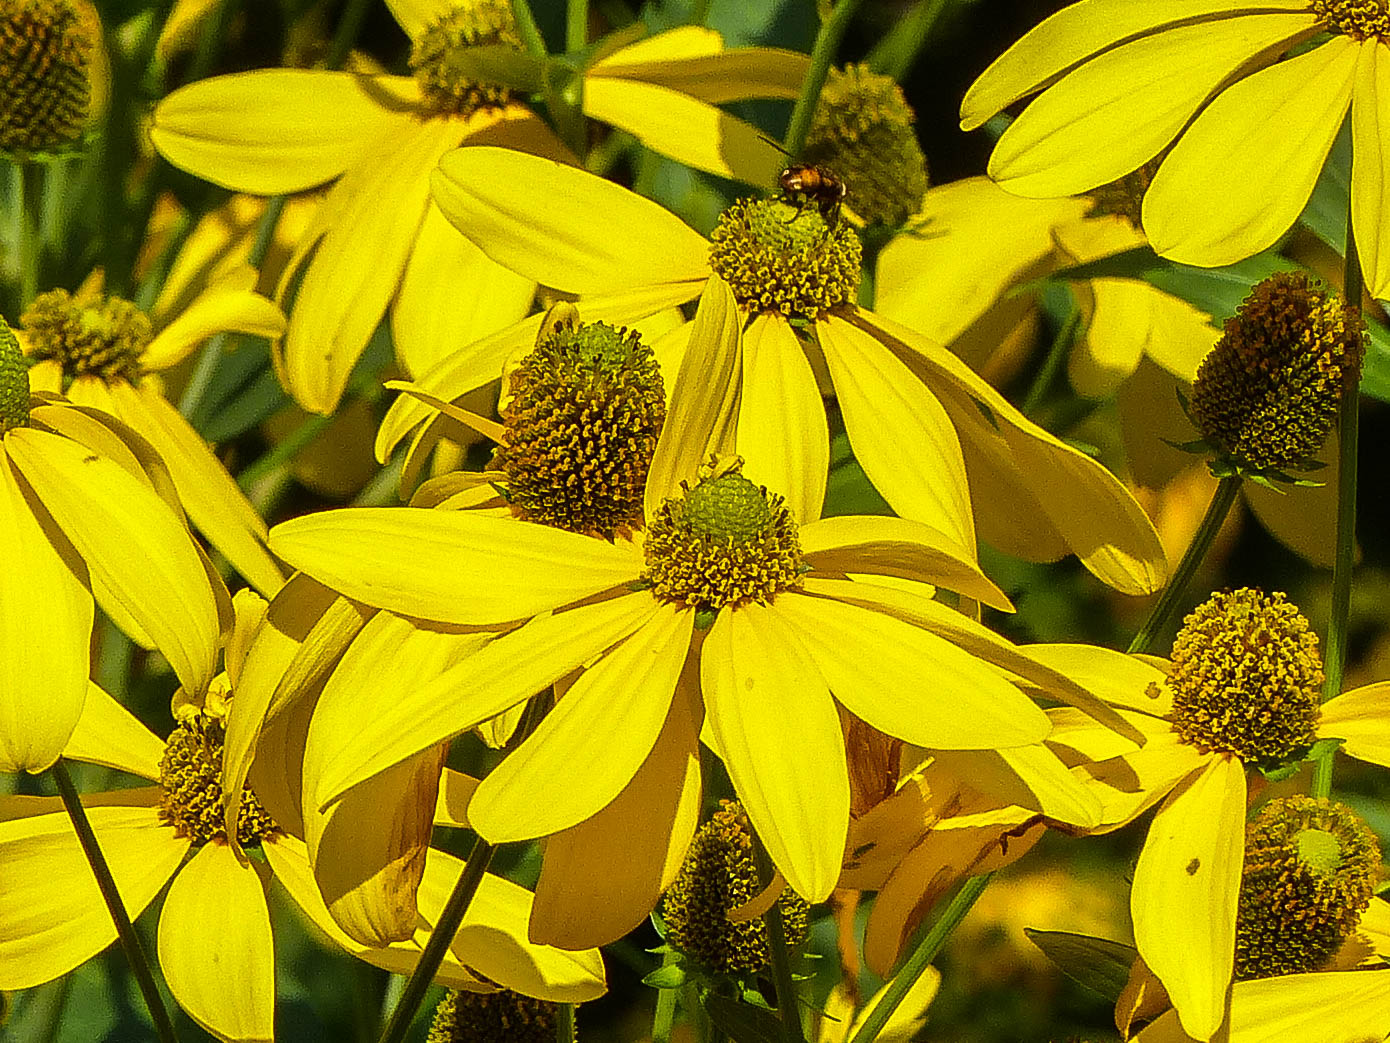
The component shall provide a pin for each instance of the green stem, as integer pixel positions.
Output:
(125, 930)
(30, 212)
(788, 1004)
(529, 32)
(699, 12)
(1052, 364)
(440, 938)
(576, 25)
(310, 428)
(920, 959)
(894, 54)
(832, 31)
(564, 1024)
(349, 28)
(1344, 555)
(1176, 589)
(665, 1016)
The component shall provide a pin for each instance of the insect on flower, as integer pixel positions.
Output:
(804, 184)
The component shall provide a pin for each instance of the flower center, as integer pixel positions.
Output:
(718, 875)
(492, 1017)
(1355, 18)
(1267, 393)
(1124, 197)
(14, 381)
(724, 542)
(433, 59)
(190, 772)
(862, 130)
(586, 409)
(1311, 867)
(105, 338)
(45, 64)
(777, 255)
(1246, 677)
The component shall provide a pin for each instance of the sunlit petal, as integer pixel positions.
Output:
(1370, 123)
(107, 733)
(1359, 717)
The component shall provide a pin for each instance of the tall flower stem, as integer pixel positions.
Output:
(125, 930)
(788, 1005)
(832, 31)
(665, 1015)
(1344, 553)
(1176, 589)
(576, 24)
(564, 1024)
(921, 958)
(443, 934)
(30, 207)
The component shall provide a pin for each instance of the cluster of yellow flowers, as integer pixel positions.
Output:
(620, 587)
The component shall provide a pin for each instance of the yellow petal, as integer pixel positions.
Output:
(649, 54)
(608, 719)
(1056, 792)
(492, 939)
(1119, 679)
(1359, 717)
(45, 634)
(53, 913)
(452, 566)
(279, 130)
(359, 263)
(1075, 33)
(414, 16)
(508, 670)
(1240, 175)
(782, 432)
(700, 422)
(562, 226)
(442, 261)
(1018, 471)
(685, 129)
(908, 682)
(133, 542)
(756, 676)
(1185, 888)
(214, 933)
(107, 733)
(218, 310)
(1130, 318)
(1119, 109)
(1370, 123)
(701, 68)
(906, 1021)
(600, 878)
(1127, 781)
(214, 502)
(975, 242)
(896, 547)
(900, 433)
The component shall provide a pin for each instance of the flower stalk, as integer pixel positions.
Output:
(832, 31)
(788, 1004)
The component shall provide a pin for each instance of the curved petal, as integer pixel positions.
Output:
(414, 16)
(906, 681)
(492, 939)
(1359, 717)
(107, 733)
(782, 432)
(600, 878)
(702, 69)
(608, 720)
(218, 310)
(896, 547)
(685, 129)
(1370, 181)
(53, 913)
(132, 543)
(512, 668)
(452, 566)
(1186, 884)
(45, 635)
(1119, 109)
(359, 263)
(756, 676)
(215, 947)
(1078, 31)
(280, 130)
(900, 433)
(214, 502)
(562, 226)
(1016, 467)
(426, 328)
(1057, 792)
(1239, 176)
(1132, 318)
(1118, 678)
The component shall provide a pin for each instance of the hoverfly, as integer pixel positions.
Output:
(804, 184)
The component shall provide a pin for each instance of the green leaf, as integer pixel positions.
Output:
(1322, 749)
(1326, 213)
(1135, 263)
(1097, 963)
(740, 1022)
(672, 976)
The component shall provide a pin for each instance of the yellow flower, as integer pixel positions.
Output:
(1194, 760)
(1245, 97)
(215, 944)
(930, 434)
(379, 239)
(972, 244)
(105, 353)
(86, 509)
